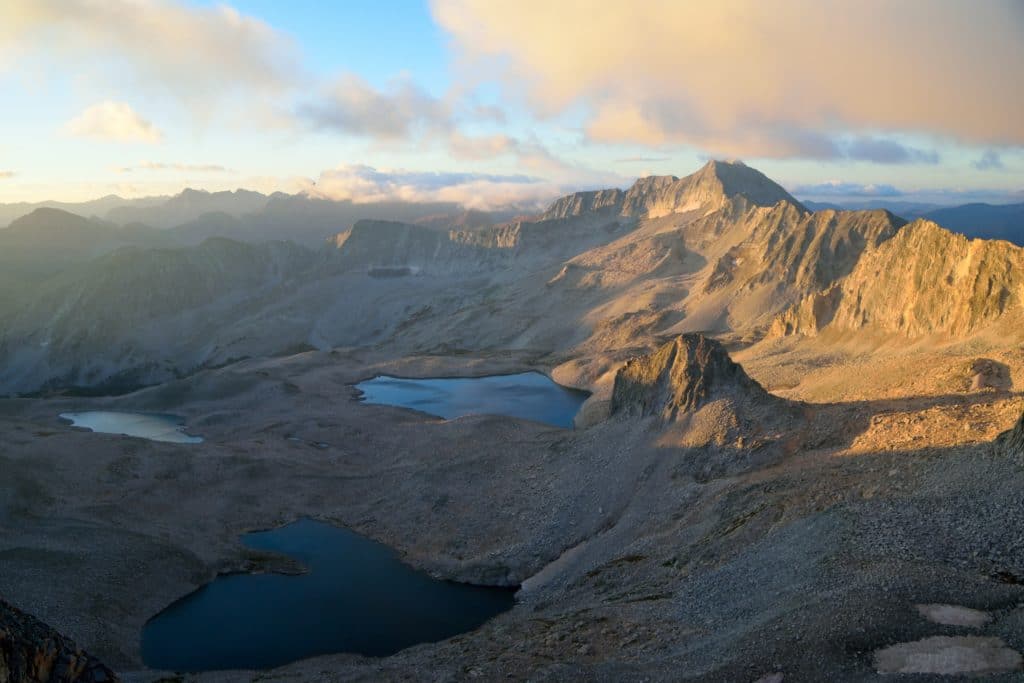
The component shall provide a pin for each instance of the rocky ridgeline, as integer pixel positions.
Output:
(31, 651)
(924, 280)
(681, 377)
(801, 250)
(707, 190)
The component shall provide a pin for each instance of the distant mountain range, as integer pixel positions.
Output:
(194, 215)
(977, 220)
(86, 302)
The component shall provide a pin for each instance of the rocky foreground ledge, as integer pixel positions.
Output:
(32, 651)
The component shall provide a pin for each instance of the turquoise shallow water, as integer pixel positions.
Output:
(357, 597)
(528, 395)
(150, 426)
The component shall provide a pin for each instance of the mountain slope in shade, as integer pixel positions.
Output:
(48, 241)
(61, 232)
(925, 280)
(984, 221)
(145, 311)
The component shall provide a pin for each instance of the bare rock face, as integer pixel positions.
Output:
(31, 651)
(680, 377)
(924, 280)
(579, 203)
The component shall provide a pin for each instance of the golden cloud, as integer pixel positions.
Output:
(763, 79)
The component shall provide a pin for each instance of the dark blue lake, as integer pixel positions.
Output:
(357, 597)
(528, 395)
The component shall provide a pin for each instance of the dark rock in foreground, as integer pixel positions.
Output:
(32, 651)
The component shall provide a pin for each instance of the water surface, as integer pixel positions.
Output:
(357, 597)
(150, 426)
(528, 395)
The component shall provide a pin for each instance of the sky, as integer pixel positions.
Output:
(508, 104)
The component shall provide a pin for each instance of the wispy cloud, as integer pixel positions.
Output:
(352, 106)
(360, 183)
(182, 168)
(990, 161)
(835, 188)
(114, 121)
(755, 79)
(884, 151)
(195, 54)
(641, 160)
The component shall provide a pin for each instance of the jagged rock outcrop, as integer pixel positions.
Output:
(721, 420)
(32, 652)
(680, 377)
(924, 280)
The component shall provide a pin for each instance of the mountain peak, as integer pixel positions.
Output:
(709, 189)
(46, 217)
(680, 377)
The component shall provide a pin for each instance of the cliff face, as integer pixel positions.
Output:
(800, 250)
(386, 244)
(596, 201)
(31, 651)
(924, 280)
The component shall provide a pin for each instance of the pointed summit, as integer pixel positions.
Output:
(681, 377)
(711, 188)
(707, 190)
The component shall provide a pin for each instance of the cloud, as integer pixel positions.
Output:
(115, 121)
(353, 106)
(475, 148)
(757, 79)
(6, 175)
(363, 184)
(882, 151)
(641, 160)
(196, 54)
(990, 161)
(835, 188)
(184, 168)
